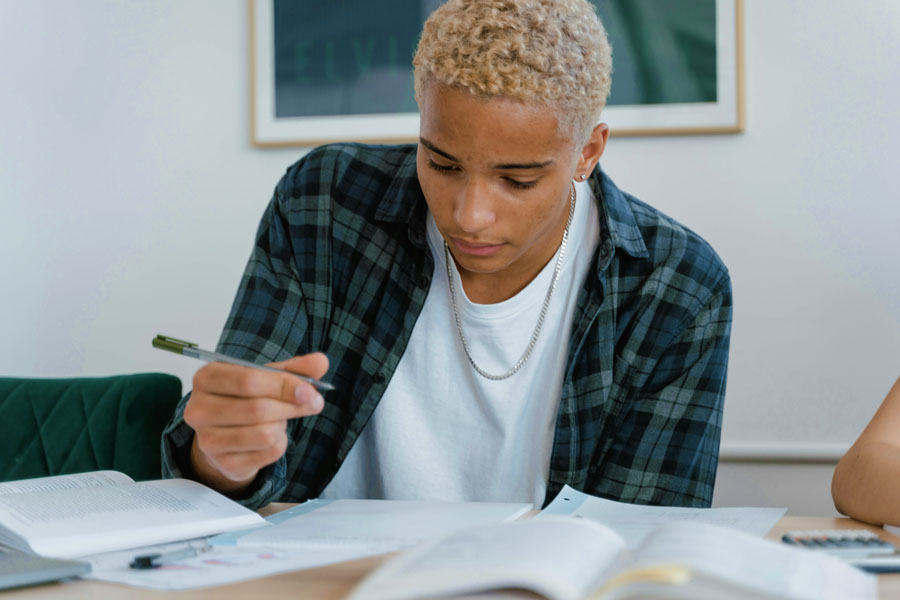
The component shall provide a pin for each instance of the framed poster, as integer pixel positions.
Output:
(342, 70)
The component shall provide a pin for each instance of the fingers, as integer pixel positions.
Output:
(234, 471)
(313, 365)
(228, 458)
(244, 382)
(252, 438)
(206, 410)
(239, 466)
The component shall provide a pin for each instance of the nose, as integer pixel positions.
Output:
(474, 210)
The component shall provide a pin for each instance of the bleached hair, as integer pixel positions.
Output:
(551, 53)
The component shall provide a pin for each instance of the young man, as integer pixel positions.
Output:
(866, 482)
(499, 319)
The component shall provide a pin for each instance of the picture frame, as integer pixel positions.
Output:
(273, 85)
(724, 113)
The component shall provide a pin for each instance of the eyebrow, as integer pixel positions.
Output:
(503, 166)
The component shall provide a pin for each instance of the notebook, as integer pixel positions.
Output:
(19, 569)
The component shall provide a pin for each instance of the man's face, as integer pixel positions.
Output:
(497, 176)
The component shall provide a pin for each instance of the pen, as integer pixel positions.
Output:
(164, 342)
(153, 561)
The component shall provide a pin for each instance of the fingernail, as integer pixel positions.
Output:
(301, 394)
(317, 403)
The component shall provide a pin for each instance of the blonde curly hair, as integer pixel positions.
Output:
(551, 53)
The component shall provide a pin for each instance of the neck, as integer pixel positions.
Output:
(491, 288)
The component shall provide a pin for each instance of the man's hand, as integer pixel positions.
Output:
(239, 417)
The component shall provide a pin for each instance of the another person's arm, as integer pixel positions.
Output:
(866, 482)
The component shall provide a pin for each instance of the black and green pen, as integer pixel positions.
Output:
(164, 342)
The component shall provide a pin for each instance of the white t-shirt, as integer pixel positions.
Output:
(442, 431)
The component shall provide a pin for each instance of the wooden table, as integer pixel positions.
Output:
(336, 581)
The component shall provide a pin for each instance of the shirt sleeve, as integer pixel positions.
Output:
(665, 444)
(267, 323)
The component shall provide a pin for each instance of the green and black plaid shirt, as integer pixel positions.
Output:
(341, 265)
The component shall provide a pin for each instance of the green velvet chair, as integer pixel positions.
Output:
(59, 426)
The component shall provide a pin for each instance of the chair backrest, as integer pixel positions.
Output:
(60, 426)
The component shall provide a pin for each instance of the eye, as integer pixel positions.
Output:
(440, 168)
(521, 185)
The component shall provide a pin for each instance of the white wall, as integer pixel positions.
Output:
(129, 196)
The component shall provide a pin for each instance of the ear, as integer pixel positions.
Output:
(592, 151)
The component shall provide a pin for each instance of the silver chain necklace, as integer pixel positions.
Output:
(540, 321)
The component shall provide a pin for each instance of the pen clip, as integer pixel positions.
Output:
(164, 342)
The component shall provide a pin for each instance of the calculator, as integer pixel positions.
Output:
(859, 547)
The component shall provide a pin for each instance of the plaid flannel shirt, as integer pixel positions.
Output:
(341, 265)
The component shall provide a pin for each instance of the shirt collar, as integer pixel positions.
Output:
(403, 201)
(403, 197)
(618, 227)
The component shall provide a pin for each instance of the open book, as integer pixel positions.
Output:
(88, 513)
(571, 558)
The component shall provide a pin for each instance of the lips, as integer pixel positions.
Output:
(475, 248)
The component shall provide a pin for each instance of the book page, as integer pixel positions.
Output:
(76, 522)
(65, 482)
(724, 557)
(211, 566)
(376, 526)
(634, 522)
(561, 559)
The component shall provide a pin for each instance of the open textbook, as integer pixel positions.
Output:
(572, 559)
(89, 513)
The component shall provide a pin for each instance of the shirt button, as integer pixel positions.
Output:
(424, 281)
(378, 377)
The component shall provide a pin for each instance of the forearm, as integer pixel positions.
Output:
(866, 483)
